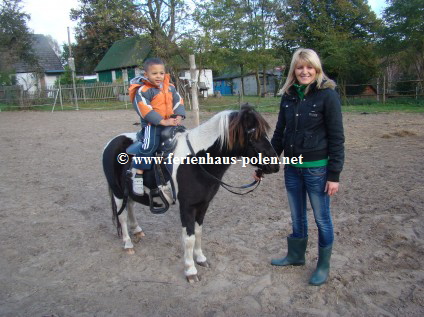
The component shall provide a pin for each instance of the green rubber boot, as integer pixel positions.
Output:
(320, 274)
(295, 254)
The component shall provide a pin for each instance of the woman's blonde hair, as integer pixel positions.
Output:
(309, 57)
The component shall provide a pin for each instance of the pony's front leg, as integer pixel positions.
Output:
(198, 254)
(135, 229)
(128, 246)
(190, 270)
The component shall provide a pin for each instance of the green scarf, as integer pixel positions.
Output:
(300, 89)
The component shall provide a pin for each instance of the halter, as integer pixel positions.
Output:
(223, 184)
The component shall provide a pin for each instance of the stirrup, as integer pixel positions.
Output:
(154, 193)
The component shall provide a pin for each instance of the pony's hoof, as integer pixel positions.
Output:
(138, 236)
(129, 251)
(204, 264)
(193, 278)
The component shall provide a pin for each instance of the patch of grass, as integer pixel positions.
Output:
(266, 104)
(212, 104)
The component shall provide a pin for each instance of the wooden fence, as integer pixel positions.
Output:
(14, 96)
(93, 92)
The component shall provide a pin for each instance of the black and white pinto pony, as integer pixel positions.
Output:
(228, 134)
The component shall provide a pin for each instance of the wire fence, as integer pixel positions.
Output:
(60, 95)
(383, 90)
(65, 96)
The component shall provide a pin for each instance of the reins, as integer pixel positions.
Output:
(221, 183)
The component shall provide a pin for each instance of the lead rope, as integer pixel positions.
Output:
(223, 184)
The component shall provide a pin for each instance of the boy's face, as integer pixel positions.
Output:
(155, 74)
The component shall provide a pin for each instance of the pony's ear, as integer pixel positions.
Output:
(247, 116)
(247, 106)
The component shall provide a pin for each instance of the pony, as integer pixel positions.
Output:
(222, 140)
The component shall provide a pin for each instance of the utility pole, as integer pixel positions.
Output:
(194, 97)
(71, 63)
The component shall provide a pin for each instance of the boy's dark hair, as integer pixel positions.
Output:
(152, 61)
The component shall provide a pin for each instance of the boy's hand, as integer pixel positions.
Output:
(179, 120)
(168, 122)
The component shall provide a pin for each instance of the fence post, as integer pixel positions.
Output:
(378, 89)
(384, 89)
(194, 97)
(125, 94)
(60, 95)
(83, 92)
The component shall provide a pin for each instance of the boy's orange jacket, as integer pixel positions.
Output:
(154, 103)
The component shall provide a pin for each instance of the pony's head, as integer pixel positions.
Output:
(247, 137)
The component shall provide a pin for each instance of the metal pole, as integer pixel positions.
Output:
(194, 97)
(72, 66)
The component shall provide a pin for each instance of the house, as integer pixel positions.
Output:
(34, 77)
(122, 60)
(361, 91)
(205, 80)
(230, 84)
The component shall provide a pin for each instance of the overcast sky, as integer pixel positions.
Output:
(51, 17)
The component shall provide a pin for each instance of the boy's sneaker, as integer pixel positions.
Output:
(138, 187)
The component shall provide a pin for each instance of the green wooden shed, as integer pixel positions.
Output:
(122, 60)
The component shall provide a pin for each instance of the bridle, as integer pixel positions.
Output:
(224, 185)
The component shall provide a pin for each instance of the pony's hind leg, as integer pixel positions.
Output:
(135, 229)
(128, 246)
(198, 253)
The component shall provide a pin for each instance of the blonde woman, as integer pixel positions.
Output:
(310, 126)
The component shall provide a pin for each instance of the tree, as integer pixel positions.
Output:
(239, 32)
(15, 38)
(403, 36)
(262, 26)
(166, 22)
(66, 78)
(100, 24)
(343, 32)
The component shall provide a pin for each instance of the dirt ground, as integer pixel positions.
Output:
(60, 254)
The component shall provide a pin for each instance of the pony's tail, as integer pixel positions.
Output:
(115, 218)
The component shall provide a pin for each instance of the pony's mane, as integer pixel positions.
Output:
(236, 127)
(216, 128)
(227, 127)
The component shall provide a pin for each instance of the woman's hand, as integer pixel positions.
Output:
(258, 175)
(331, 188)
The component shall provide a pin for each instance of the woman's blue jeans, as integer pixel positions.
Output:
(312, 181)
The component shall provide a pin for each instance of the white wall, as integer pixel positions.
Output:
(125, 75)
(27, 80)
(138, 71)
(50, 79)
(30, 83)
(250, 85)
(205, 76)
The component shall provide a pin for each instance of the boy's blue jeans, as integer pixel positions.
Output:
(312, 181)
(150, 142)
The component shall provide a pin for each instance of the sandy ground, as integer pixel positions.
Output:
(60, 255)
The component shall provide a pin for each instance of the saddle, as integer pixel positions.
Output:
(158, 178)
